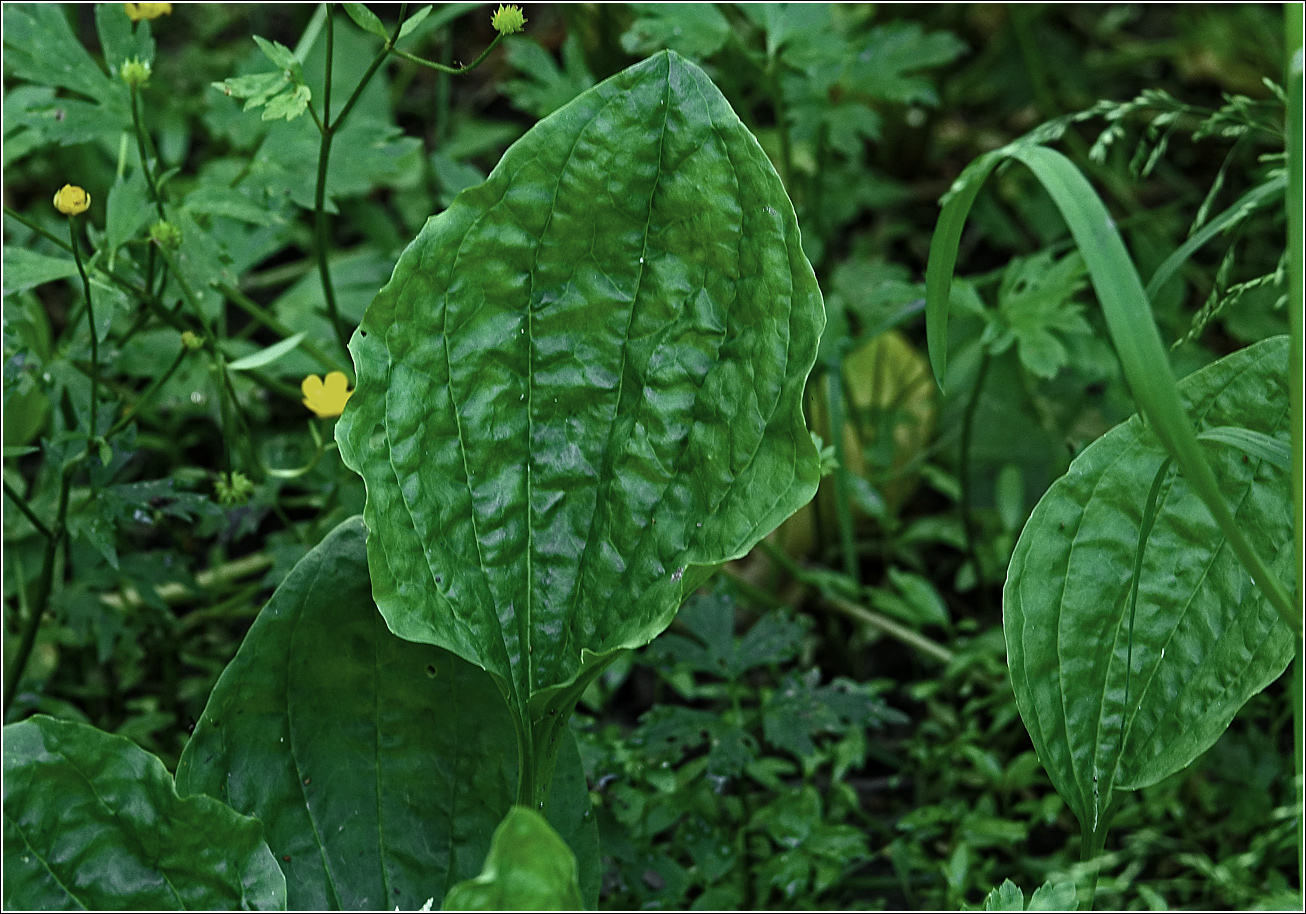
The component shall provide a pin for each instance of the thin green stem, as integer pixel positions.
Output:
(781, 122)
(44, 585)
(143, 150)
(964, 476)
(24, 507)
(256, 311)
(148, 394)
(90, 320)
(144, 154)
(120, 281)
(860, 613)
(452, 71)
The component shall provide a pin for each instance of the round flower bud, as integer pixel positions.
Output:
(72, 200)
(166, 235)
(135, 73)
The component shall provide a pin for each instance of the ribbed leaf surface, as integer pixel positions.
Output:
(1204, 639)
(379, 767)
(92, 821)
(583, 383)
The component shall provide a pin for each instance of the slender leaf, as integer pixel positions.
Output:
(1113, 707)
(266, 356)
(1128, 316)
(581, 390)
(92, 821)
(1260, 195)
(1253, 444)
(366, 20)
(379, 767)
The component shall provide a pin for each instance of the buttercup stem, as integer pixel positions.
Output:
(27, 511)
(150, 391)
(90, 319)
(14, 670)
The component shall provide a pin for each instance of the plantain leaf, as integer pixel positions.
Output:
(91, 821)
(529, 868)
(581, 389)
(1118, 703)
(379, 767)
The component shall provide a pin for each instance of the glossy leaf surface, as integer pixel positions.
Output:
(529, 868)
(379, 767)
(1114, 702)
(582, 386)
(92, 821)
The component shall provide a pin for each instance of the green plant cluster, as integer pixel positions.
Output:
(880, 425)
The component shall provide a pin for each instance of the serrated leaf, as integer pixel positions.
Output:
(1054, 897)
(40, 47)
(93, 821)
(529, 868)
(288, 105)
(544, 88)
(1006, 897)
(378, 766)
(693, 29)
(1203, 640)
(581, 389)
(892, 54)
(277, 52)
(366, 20)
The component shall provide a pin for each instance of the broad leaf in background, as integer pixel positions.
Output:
(40, 46)
(379, 767)
(91, 821)
(582, 389)
(529, 868)
(1116, 700)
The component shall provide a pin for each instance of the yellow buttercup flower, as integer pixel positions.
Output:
(326, 398)
(72, 200)
(138, 11)
(508, 20)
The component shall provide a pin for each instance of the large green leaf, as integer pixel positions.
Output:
(93, 821)
(1114, 699)
(529, 868)
(583, 386)
(379, 767)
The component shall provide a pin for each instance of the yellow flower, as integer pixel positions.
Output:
(326, 399)
(72, 200)
(508, 20)
(138, 11)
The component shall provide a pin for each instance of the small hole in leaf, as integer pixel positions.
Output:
(430, 670)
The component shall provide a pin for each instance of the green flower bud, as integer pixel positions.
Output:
(166, 235)
(233, 490)
(508, 20)
(135, 73)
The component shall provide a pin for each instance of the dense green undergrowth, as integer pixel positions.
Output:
(829, 721)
